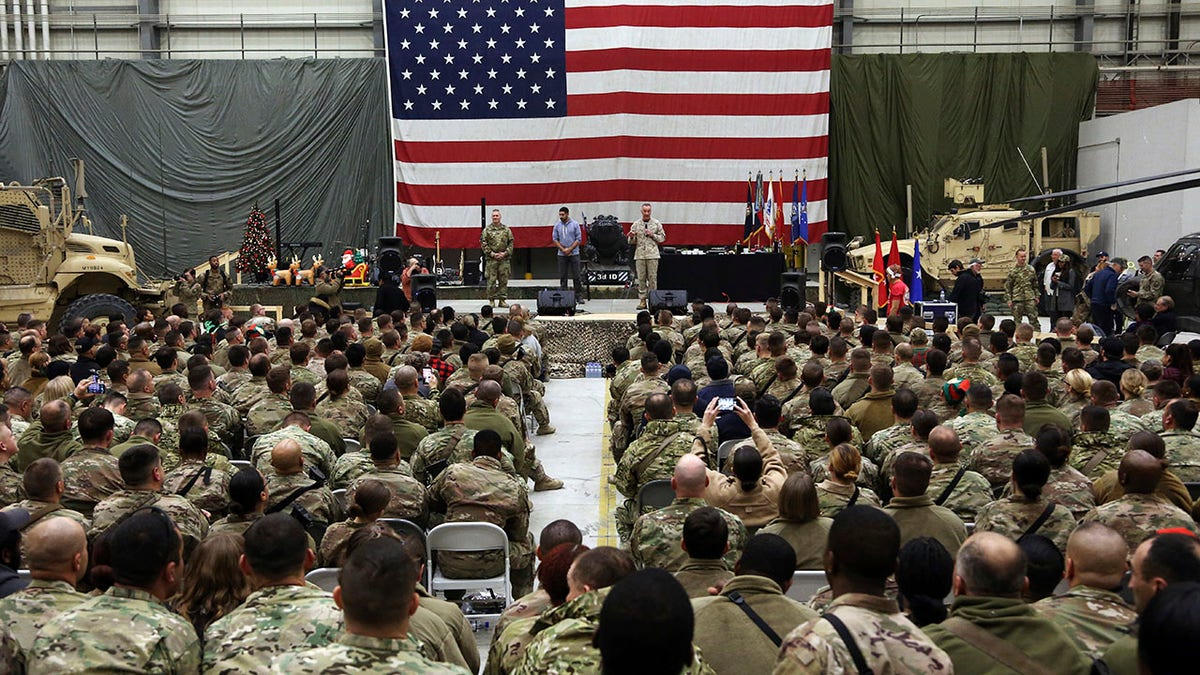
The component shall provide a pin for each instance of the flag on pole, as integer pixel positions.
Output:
(916, 290)
(758, 201)
(894, 254)
(877, 272)
(800, 211)
(768, 217)
(779, 234)
(748, 229)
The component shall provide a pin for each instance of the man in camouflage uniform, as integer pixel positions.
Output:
(1122, 424)
(977, 425)
(416, 408)
(766, 412)
(300, 369)
(253, 390)
(91, 474)
(129, 628)
(407, 432)
(266, 415)
(214, 286)
(1025, 349)
(1021, 287)
(651, 457)
(1150, 288)
(378, 587)
(971, 368)
(360, 380)
(20, 409)
(496, 241)
(171, 408)
(906, 375)
(1090, 613)
(283, 613)
(482, 492)
(223, 420)
(141, 471)
(168, 362)
(451, 444)
(988, 581)
(195, 480)
(1095, 451)
(563, 635)
(856, 385)
(885, 441)
(633, 403)
(1181, 440)
(50, 436)
(290, 478)
(656, 535)
(993, 458)
(531, 389)
(43, 486)
(55, 551)
(346, 413)
(10, 480)
(797, 407)
(408, 494)
(1139, 512)
(236, 375)
(482, 413)
(971, 491)
(863, 543)
(297, 427)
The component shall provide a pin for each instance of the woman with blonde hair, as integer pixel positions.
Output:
(800, 521)
(213, 584)
(1133, 385)
(1079, 392)
(371, 497)
(839, 490)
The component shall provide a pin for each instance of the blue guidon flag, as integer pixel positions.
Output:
(599, 106)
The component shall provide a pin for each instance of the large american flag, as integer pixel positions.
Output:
(537, 104)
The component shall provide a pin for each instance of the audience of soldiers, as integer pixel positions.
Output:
(978, 500)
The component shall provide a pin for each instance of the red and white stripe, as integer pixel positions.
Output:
(672, 103)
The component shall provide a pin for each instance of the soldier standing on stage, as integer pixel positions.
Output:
(1022, 289)
(646, 235)
(214, 286)
(497, 244)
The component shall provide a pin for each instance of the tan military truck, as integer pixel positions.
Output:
(991, 233)
(55, 272)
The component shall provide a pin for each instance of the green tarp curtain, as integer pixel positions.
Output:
(917, 119)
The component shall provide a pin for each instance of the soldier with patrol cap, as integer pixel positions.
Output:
(1022, 289)
(497, 244)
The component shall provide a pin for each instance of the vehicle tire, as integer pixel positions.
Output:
(96, 305)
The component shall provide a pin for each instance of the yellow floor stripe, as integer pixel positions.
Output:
(607, 535)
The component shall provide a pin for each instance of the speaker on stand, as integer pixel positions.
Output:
(424, 291)
(791, 291)
(390, 256)
(834, 258)
(674, 300)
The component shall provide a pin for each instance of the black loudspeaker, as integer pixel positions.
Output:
(833, 251)
(473, 272)
(791, 291)
(424, 291)
(554, 302)
(390, 256)
(676, 301)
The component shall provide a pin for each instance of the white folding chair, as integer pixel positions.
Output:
(806, 584)
(467, 537)
(656, 494)
(725, 449)
(241, 464)
(405, 528)
(324, 577)
(340, 496)
(352, 444)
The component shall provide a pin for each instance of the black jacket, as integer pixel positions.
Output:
(1108, 370)
(9, 581)
(83, 368)
(389, 298)
(968, 294)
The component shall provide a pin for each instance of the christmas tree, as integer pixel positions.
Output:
(257, 248)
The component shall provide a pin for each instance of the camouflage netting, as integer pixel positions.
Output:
(571, 343)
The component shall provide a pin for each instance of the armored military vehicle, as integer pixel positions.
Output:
(51, 269)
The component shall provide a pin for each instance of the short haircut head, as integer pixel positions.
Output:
(706, 534)
(992, 565)
(864, 542)
(646, 625)
(770, 556)
(377, 581)
(912, 472)
(137, 464)
(561, 531)
(142, 546)
(276, 545)
(41, 478)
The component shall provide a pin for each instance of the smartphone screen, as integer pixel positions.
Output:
(726, 403)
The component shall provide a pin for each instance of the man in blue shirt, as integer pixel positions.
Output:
(1101, 290)
(568, 239)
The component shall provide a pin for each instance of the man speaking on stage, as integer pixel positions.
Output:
(646, 235)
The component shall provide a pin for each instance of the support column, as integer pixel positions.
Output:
(149, 44)
(1085, 25)
(844, 27)
(377, 26)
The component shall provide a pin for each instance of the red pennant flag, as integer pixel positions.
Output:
(894, 254)
(881, 292)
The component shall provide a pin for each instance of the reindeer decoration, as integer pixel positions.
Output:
(309, 275)
(289, 276)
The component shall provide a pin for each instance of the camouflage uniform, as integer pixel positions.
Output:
(305, 374)
(833, 497)
(496, 238)
(656, 536)
(889, 642)
(810, 434)
(366, 655)
(315, 451)
(268, 413)
(190, 520)
(868, 474)
(1153, 421)
(885, 441)
(1123, 425)
(1093, 618)
(1137, 516)
(35, 505)
(26, 611)
(993, 458)
(781, 389)
(232, 524)
(1013, 516)
(408, 494)
(11, 489)
(1069, 488)
(272, 621)
(351, 465)
(90, 476)
(36, 443)
(319, 502)
(792, 454)
(422, 411)
(562, 640)
(223, 420)
(972, 493)
(974, 429)
(229, 383)
(482, 492)
(1150, 353)
(1183, 454)
(508, 645)
(1085, 451)
(209, 492)
(365, 383)
(453, 444)
(854, 387)
(249, 394)
(977, 373)
(347, 415)
(124, 630)
(122, 428)
(930, 397)
(679, 439)
(906, 375)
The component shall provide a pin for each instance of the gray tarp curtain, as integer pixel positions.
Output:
(188, 147)
(918, 119)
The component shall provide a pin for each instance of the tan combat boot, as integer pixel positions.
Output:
(542, 482)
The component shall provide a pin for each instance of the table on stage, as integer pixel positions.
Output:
(721, 277)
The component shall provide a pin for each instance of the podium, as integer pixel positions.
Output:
(932, 310)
